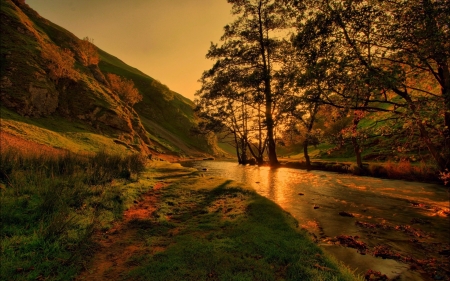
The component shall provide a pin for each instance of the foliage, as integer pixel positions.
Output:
(243, 78)
(378, 61)
(88, 52)
(60, 62)
(124, 88)
(445, 176)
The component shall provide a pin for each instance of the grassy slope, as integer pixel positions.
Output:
(57, 132)
(172, 112)
(383, 146)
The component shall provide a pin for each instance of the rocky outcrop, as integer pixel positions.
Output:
(27, 88)
(43, 101)
(44, 74)
(114, 120)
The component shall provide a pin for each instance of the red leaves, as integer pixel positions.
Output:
(372, 275)
(352, 242)
(124, 88)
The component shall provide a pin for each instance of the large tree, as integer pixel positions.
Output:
(386, 56)
(252, 44)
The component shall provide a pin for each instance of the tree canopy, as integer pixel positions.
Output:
(280, 61)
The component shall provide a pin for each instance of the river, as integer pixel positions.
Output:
(398, 228)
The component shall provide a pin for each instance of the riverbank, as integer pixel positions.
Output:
(402, 170)
(207, 228)
(387, 170)
(67, 217)
(402, 226)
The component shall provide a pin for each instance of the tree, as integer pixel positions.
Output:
(124, 88)
(389, 52)
(59, 62)
(251, 47)
(88, 52)
(226, 109)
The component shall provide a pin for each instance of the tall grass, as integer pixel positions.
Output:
(405, 170)
(51, 206)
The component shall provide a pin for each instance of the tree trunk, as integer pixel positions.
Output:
(357, 150)
(305, 152)
(271, 148)
(244, 151)
(444, 75)
(238, 154)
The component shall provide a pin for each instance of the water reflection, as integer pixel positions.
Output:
(405, 211)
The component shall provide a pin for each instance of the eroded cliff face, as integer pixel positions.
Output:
(30, 87)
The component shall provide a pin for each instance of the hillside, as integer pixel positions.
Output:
(50, 96)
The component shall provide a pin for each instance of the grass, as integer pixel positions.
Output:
(57, 132)
(214, 229)
(52, 204)
(85, 100)
(203, 228)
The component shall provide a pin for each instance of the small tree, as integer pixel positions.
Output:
(88, 52)
(59, 62)
(124, 88)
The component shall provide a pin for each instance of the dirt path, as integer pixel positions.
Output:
(117, 245)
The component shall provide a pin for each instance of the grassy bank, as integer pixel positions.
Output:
(402, 170)
(215, 229)
(54, 210)
(52, 204)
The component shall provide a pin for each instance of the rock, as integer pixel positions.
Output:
(112, 119)
(345, 214)
(301, 193)
(43, 101)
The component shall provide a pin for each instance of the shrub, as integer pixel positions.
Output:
(400, 170)
(59, 62)
(88, 51)
(377, 170)
(355, 169)
(124, 88)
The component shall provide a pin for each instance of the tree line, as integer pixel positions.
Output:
(282, 63)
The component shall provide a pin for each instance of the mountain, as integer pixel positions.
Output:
(51, 96)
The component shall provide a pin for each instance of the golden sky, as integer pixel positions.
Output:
(166, 39)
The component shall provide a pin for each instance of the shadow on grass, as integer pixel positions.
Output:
(198, 240)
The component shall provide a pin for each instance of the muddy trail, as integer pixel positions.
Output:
(117, 245)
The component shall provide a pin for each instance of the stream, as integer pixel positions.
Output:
(398, 228)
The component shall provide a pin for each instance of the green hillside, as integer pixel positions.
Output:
(76, 102)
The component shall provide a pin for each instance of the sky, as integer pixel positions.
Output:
(166, 39)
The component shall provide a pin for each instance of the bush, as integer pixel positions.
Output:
(377, 170)
(354, 169)
(404, 170)
(88, 52)
(124, 88)
(59, 61)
